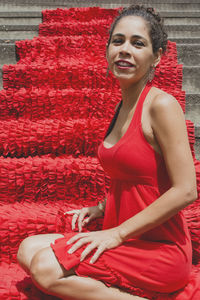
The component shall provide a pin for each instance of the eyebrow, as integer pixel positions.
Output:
(133, 36)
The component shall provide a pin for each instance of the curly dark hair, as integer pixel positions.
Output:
(155, 22)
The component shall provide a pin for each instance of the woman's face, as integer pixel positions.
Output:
(130, 55)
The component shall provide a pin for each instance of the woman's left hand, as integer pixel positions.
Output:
(102, 240)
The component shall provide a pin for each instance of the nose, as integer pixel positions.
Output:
(125, 48)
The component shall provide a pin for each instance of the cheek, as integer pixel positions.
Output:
(111, 53)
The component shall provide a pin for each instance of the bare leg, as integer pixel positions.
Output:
(53, 279)
(31, 245)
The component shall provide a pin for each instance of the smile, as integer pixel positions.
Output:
(124, 64)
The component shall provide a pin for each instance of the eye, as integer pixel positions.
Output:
(138, 43)
(117, 41)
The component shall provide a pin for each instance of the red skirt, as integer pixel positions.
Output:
(144, 268)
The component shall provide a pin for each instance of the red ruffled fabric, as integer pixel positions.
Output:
(52, 104)
(46, 179)
(23, 138)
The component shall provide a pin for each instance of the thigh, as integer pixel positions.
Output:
(45, 266)
(33, 244)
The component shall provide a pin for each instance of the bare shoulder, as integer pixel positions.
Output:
(164, 103)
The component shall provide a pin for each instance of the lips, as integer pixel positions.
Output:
(124, 64)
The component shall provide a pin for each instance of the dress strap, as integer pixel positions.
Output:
(138, 111)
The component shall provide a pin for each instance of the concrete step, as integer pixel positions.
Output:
(192, 92)
(38, 13)
(20, 20)
(12, 36)
(160, 5)
(185, 40)
(32, 19)
(35, 17)
(182, 20)
(174, 31)
(193, 112)
(191, 75)
(20, 37)
(189, 54)
(185, 4)
(7, 54)
(193, 107)
(183, 31)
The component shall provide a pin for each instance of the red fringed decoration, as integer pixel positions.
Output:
(54, 110)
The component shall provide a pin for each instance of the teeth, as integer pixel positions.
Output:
(124, 64)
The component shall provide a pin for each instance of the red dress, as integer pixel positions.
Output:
(158, 261)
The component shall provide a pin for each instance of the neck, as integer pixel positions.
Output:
(131, 93)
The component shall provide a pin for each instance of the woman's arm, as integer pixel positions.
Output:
(168, 124)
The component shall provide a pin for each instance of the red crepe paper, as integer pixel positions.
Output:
(54, 110)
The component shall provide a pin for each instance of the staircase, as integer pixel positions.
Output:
(48, 159)
(21, 19)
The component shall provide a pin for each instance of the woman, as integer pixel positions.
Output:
(144, 248)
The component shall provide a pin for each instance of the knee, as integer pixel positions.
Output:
(24, 251)
(41, 271)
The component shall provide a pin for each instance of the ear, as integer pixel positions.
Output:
(157, 57)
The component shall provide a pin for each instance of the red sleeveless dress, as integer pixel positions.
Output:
(159, 261)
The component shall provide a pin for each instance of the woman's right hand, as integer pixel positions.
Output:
(84, 216)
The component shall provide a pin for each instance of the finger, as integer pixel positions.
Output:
(80, 220)
(76, 237)
(87, 250)
(87, 220)
(99, 251)
(78, 245)
(71, 212)
(74, 219)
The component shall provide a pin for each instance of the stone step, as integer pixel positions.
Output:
(8, 41)
(35, 17)
(11, 36)
(24, 14)
(189, 54)
(185, 40)
(20, 20)
(192, 93)
(38, 13)
(182, 20)
(193, 7)
(7, 54)
(174, 31)
(166, 5)
(191, 75)
(193, 107)
(185, 55)
(193, 112)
